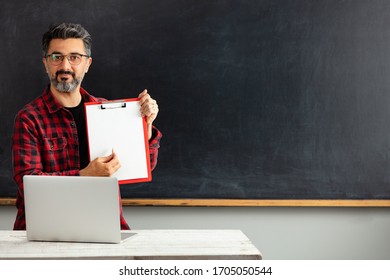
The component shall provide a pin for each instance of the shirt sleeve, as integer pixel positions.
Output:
(154, 145)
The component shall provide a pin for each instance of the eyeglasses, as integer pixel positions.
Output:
(57, 59)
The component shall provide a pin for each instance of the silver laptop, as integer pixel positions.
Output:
(72, 208)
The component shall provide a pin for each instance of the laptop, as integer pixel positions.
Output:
(73, 209)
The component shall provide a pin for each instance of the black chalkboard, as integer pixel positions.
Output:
(259, 99)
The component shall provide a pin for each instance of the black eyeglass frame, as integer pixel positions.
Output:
(67, 57)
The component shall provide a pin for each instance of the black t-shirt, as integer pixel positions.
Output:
(78, 113)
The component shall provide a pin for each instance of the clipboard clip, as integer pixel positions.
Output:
(113, 105)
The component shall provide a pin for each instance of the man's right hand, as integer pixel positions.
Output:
(102, 166)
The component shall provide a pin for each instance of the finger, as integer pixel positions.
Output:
(108, 158)
(117, 164)
(143, 96)
(113, 153)
(113, 165)
(150, 111)
(146, 100)
(105, 159)
(145, 91)
(149, 105)
(114, 156)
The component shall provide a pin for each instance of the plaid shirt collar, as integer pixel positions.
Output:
(53, 105)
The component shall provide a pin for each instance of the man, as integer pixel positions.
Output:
(50, 132)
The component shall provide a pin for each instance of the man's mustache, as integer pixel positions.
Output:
(59, 72)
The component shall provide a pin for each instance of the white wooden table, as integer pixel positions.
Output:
(145, 244)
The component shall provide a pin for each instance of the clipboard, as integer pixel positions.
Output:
(118, 125)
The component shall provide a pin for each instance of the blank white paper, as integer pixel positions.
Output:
(120, 129)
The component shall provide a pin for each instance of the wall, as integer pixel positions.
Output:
(279, 233)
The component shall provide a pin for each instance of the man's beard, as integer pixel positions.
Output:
(64, 86)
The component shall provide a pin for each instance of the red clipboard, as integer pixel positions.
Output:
(118, 125)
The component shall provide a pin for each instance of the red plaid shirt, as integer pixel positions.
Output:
(45, 143)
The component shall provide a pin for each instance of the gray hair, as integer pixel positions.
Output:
(67, 31)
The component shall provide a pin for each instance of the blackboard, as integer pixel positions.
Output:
(259, 99)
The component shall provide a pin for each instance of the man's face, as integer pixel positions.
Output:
(66, 77)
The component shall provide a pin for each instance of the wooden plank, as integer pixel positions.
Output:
(7, 201)
(246, 202)
(257, 202)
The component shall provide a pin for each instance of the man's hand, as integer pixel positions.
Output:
(102, 166)
(149, 109)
